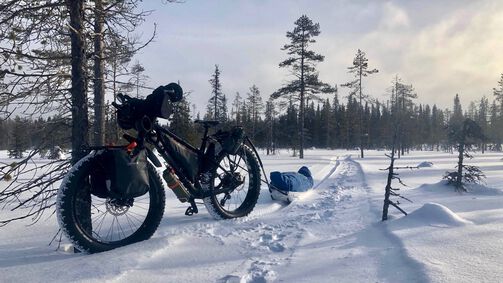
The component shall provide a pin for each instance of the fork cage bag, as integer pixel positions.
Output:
(120, 175)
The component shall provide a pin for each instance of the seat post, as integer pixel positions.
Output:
(207, 124)
(205, 137)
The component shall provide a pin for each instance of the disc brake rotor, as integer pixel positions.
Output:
(116, 207)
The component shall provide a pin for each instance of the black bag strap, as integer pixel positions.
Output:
(266, 181)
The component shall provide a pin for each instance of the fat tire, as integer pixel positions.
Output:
(67, 217)
(212, 203)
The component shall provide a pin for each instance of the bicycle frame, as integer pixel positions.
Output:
(165, 150)
(161, 143)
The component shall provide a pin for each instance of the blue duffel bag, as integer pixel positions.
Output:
(283, 183)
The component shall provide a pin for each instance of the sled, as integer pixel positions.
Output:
(286, 186)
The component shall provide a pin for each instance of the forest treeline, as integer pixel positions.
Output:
(331, 123)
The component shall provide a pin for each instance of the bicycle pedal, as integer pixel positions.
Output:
(190, 211)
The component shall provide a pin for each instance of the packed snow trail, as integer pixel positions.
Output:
(329, 234)
(346, 243)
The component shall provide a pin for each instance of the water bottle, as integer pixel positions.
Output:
(173, 183)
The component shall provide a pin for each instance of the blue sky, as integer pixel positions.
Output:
(441, 47)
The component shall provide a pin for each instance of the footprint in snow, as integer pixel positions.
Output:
(272, 242)
(259, 273)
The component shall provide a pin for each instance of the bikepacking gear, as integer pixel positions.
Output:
(119, 174)
(173, 183)
(285, 185)
(159, 104)
(114, 196)
(95, 224)
(187, 159)
(230, 141)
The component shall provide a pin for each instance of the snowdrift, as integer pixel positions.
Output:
(432, 214)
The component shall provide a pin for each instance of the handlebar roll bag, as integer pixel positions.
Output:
(159, 103)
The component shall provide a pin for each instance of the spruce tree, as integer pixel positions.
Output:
(255, 106)
(326, 124)
(465, 136)
(302, 63)
(18, 138)
(481, 119)
(236, 109)
(181, 122)
(495, 129)
(270, 124)
(456, 118)
(217, 104)
(138, 78)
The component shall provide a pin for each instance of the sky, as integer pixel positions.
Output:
(440, 47)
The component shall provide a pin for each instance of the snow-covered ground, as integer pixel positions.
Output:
(330, 234)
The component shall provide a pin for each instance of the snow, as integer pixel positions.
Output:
(332, 233)
(432, 214)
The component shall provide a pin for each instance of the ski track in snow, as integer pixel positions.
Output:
(325, 235)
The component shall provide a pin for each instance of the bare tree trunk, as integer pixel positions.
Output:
(387, 191)
(80, 123)
(99, 86)
(302, 105)
(361, 113)
(461, 150)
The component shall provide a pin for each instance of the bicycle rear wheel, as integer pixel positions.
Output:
(240, 173)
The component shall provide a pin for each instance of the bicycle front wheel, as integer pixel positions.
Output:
(100, 223)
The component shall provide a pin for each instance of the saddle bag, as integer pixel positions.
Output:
(119, 174)
(231, 140)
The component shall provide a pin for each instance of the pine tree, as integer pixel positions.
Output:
(80, 113)
(302, 62)
(360, 70)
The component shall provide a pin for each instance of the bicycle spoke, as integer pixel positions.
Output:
(131, 224)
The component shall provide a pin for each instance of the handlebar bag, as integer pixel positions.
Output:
(120, 175)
